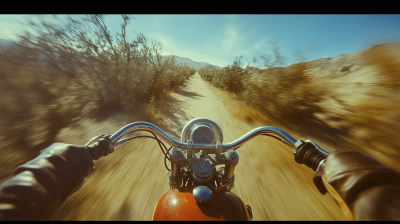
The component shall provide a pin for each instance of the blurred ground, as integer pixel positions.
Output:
(128, 183)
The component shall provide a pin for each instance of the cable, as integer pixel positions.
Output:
(165, 161)
(154, 137)
(272, 136)
(145, 136)
(158, 141)
(166, 152)
(276, 138)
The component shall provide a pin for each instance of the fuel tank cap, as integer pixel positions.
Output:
(202, 194)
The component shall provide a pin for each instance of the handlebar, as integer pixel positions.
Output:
(308, 153)
(287, 138)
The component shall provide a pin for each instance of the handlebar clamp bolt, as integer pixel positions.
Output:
(232, 154)
(176, 152)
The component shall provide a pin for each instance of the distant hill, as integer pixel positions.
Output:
(212, 66)
(195, 64)
(6, 43)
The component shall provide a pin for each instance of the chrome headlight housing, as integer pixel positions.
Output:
(202, 130)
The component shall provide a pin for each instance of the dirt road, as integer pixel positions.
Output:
(127, 184)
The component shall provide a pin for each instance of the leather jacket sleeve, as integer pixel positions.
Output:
(364, 188)
(40, 186)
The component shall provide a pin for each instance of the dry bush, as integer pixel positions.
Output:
(287, 96)
(229, 78)
(207, 74)
(67, 70)
(375, 121)
(290, 97)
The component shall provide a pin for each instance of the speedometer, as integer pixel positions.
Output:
(202, 130)
(202, 134)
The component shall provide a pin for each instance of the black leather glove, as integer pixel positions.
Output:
(40, 186)
(364, 188)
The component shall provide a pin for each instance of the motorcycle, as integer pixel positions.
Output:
(198, 189)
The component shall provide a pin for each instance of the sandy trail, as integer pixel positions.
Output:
(127, 184)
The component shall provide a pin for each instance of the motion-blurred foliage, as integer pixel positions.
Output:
(375, 121)
(63, 70)
(286, 95)
(291, 97)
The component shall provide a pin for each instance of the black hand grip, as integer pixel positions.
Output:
(313, 158)
(308, 154)
(101, 148)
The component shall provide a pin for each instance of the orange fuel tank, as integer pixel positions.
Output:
(180, 205)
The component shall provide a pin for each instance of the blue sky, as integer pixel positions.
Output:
(217, 39)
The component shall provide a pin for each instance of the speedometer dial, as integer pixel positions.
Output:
(202, 135)
(202, 130)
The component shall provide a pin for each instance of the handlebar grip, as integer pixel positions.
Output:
(313, 158)
(101, 148)
(308, 154)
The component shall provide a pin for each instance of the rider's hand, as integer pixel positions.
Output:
(40, 186)
(101, 148)
(363, 187)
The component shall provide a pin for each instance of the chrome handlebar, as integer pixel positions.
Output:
(203, 164)
(232, 145)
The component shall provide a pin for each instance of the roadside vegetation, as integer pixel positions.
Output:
(285, 95)
(229, 78)
(311, 105)
(64, 70)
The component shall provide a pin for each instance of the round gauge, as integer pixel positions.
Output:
(202, 135)
(202, 130)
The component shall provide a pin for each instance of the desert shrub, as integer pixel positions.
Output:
(63, 70)
(286, 95)
(207, 74)
(375, 121)
(229, 78)
(293, 99)
(123, 74)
